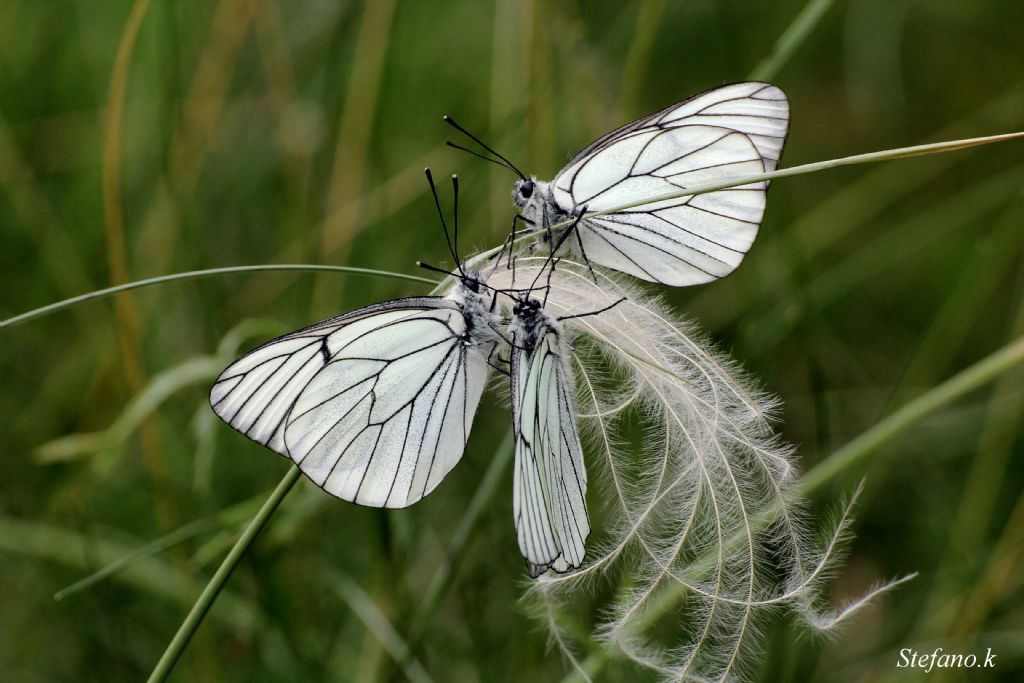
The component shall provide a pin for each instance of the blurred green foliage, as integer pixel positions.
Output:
(237, 132)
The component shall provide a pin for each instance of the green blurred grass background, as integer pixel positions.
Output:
(241, 132)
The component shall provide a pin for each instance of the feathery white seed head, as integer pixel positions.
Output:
(703, 519)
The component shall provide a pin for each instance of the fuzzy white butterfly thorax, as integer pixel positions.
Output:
(730, 132)
(374, 406)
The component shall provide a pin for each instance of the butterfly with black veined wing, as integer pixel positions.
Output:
(374, 406)
(730, 132)
(550, 478)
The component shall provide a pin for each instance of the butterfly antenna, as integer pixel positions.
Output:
(451, 122)
(456, 274)
(479, 155)
(444, 225)
(455, 221)
(497, 259)
(435, 269)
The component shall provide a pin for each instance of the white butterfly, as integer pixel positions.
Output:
(734, 131)
(550, 481)
(374, 406)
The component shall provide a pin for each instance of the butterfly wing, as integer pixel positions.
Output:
(550, 481)
(758, 110)
(734, 131)
(374, 406)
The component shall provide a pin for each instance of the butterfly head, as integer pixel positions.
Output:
(528, 323)
(530, 195)
(526, 308)
(523, 191)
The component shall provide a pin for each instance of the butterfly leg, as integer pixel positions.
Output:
(510, 342)
(574, 229)
(507, 245)
(547, 285)
(512, 237)
(597, 312)
(493, 362)
(579, 243)
(510, 243)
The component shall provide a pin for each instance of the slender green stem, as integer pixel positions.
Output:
(194, 274)
(213, 588)
(870, 157)
(969, 544)
(791, 39)
(856, 451)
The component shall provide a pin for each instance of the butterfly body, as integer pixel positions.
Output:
(550, 479)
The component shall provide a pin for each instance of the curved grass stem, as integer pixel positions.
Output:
(804, 169)
(195, 617)
(855, 452)
(195, 274)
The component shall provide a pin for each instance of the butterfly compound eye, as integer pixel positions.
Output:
(526, 189)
